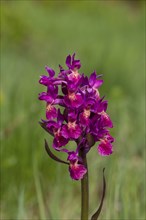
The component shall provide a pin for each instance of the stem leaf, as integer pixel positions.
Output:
(97, 213)
(52, 155)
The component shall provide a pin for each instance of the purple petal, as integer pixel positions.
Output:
(72, 115)
(45, 97)
(77, 171)
(50, 71)
(44, 80)
(52, 126)
(71, 130)
(75, 133)
(68, 61)
(73, 57)
(105, 148)
(100, 106)
(109, 138)
(105, 120)
(51, 112)
(60, 118)
(75, 63)
(52, 91)
(84, 118)
(73, 100)
(92, 79)
(59, 141)
(59, 101)
(65, 131)
(72, 156)
(98, 83)
(74, 77)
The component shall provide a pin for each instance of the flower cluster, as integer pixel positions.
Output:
(78, 113)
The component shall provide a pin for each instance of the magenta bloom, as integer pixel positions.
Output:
(76, 169)
(82, 117)
(105, 148)
(72, 130)
(73, 100)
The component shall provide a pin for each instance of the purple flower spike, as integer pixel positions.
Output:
(76, 112)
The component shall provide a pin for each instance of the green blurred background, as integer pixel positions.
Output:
(108, 36)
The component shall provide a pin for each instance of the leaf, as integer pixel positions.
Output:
(97, 213)
(52, 155)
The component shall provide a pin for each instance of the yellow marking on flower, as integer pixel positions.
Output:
(75, 74)
(103, 140)
(56, 133)
(97, 92)
(71, 125)
(104, 114)
(86, 113)
(49, 107)
(74, 165)
(72, 96)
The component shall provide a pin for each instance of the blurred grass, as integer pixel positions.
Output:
(107, 36)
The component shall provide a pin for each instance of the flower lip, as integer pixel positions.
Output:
(77, 171)
(76, 168)
(105, 148)
(51, 112)
(59, 140)
(105, 120)
(74, 100)
(71, 130)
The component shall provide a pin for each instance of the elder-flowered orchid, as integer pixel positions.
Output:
(77, 114)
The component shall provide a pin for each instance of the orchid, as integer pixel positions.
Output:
(77, 114)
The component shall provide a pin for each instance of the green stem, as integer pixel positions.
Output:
(84, 191)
